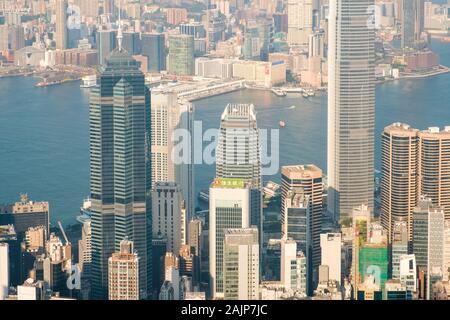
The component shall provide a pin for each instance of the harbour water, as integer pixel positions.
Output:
(44, 132)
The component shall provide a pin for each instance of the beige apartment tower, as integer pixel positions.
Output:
(61, 24)
(123, 273)
(399, 176)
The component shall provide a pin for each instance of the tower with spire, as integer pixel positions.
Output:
(120, 167)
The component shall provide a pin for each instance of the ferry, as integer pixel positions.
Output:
(85, 211)
(89, 81)
(279, 92)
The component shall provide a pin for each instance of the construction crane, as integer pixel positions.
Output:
(63, 232)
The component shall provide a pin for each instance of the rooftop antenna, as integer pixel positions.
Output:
(119, 32)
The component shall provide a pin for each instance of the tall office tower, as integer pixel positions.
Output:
(229, 208)
(25, 214)
(309, 178)
(399, 247)
(120, 168)
(238, 155)
(132, 42)
(4, 37)
(351, 106)
(172, 144)
(167, 201)
(109, 7)
(399, 176)
(434, 175)
(300, 21)
(123, 273)
(408, 23)
(436, 249)
(408, 272)
(106, 43)
(154, 48)
(265, 31)
(293, 267)
(4, 271)
(181, 55)
(316, 45)
(251, 49)
(331, 246)
(61, 34)
(420, 231)
(241, 264)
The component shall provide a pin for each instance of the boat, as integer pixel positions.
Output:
(310, 93)
(279, 92)
(305, 94)
(292, 107)
(282, 124)
(88, 81)
(85, 211)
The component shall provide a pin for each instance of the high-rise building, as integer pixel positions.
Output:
(123, 273)
(435, 264)
(181, 55)
(238, 154)
(229, 208)
(408, 272)
(331, 246)
(8, 236)
(25, 214)
(153, 47)
(167, 201)
(132, 42)
(434, 174)
(446, 275)
(120, 168)
(399, 176)
(61, 34)
(351, 106)
(420, 231)
(399, 247)
(241, 264)
(194, 239)
(413, 22)
(309, 178)
(4, 271)
(172, 143)
(300, 21)
(293, 268)
(106, 43)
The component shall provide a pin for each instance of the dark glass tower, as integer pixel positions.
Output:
(120, 168)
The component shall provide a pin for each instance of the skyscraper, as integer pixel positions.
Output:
(293, 267)
(399, 246)
(241, 264)
(167, 201)
(106, 43)
(153, 47)
(308, 178)
(172, 144)
(61, 37)
(181, 55)
(434, 174)
(351, 106)
(408, 23)
(120, 168)
(123, 273)
(229, 208)
(399, 176)
(238, 154)
(300, 21)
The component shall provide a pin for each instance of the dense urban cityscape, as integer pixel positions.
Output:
(192, 111)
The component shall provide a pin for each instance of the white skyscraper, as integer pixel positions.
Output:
(435, 247)
(241, 264)
(238, 154)
(4, 271)
(330, 245)
(351, 106)
(172, 143)
(229, 207)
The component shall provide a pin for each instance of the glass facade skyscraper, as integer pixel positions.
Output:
(120, 168)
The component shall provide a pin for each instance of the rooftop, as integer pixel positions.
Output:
(309, 171)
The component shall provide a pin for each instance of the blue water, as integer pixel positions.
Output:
(44, 132)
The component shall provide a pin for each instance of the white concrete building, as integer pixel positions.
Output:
(331, 248)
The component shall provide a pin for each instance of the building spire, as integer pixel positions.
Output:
(119, 32)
